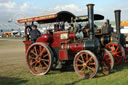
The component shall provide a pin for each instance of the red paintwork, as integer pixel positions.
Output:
(57, 38)
(72, 48)
(72, 35)
(45, 38)
(60, 39)
(75, 47)
(63, 55)
(27, 44)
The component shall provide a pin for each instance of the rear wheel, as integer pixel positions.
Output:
(117, 51)
(39, 58)
(85, 64)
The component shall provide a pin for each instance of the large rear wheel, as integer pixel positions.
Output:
(39, 58)
(85, 64)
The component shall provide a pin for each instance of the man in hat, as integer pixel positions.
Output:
(35, 33)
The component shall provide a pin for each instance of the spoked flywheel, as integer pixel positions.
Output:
(39, 58)
(85, 64)
(117, 51)
(106, 62)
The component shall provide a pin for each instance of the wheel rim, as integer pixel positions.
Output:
(85, 65)
(107, 62)
(116, 51)
(38, 59)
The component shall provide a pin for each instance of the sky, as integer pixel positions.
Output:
(15, 9)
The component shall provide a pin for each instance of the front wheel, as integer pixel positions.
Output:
(86, 64)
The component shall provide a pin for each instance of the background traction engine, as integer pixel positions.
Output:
(67, 46)
(113, 41)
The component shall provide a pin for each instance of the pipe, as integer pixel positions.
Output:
(91, 21)
(117, 22)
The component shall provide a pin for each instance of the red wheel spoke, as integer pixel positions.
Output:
(88, 60)
(113, 46)
(45, 63)
(91, 63)
(34, 64)
(90, 68)
(40, 48)
(106, 66)
(119, 52)
(79, 64)
(80, 60)
(30, 57)
(35, 50)
(86, 57)
(117, 55)
(45, 60)
(44, 50)
(116, 49)
(83, 69)
(41, 67)
(45, 55)
(82, 57)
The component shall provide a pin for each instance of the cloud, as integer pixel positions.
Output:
(3, 1)
(70, 7)
(24, 6)
(8, 4)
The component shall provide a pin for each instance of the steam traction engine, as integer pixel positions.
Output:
(113, 41)
(65, 45)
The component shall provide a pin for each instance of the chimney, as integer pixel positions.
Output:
(117, 22)
(91, 20)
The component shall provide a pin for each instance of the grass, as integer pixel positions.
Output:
(14, 71)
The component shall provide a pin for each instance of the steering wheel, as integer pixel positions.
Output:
(28, 30)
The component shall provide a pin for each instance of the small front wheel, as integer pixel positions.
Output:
(86, 64)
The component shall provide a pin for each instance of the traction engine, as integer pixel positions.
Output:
(113, 41)
(85, 53)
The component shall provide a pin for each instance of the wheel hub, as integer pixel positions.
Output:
(38, 59)
(84, 64)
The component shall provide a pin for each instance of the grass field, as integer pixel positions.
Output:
(14, 71)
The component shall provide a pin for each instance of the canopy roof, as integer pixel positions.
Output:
(85, 17)
(60, 16)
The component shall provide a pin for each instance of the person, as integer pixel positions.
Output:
(35, 33)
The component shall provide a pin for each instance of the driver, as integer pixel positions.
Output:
(35, 33)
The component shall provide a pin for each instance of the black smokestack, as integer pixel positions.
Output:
(91, 20)
(117, 22)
